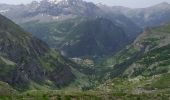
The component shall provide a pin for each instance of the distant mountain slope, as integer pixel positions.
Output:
(82, 36)
(26, 61)
(95, 37)
(145, 17)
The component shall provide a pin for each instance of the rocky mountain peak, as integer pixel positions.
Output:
(63, 1)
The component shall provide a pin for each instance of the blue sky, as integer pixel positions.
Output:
(127, 3)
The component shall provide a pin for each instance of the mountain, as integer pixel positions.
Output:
(59, 10)
(51, 10)
(155, 59)
(26, 62)
(145, 17)
(147, 56)
(93, 37)
(115, 60)
(50, 20)
(141, 67)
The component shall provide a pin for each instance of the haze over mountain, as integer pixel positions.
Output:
(51, 13)
(151, 16)
(49, 20)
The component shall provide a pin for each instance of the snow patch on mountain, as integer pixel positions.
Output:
(55, 1)
(4, 11)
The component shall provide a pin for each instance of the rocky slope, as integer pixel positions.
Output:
(26, 61)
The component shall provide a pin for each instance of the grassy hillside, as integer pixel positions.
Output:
(148, 55)
(6, 90)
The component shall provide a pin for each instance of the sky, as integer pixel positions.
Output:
(126, 3)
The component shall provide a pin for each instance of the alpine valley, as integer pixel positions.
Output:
(78, 50)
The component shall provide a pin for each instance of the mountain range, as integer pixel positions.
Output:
(147, 17)
(57, 10)
(57, 22)
(72, 13)
(92, 51)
